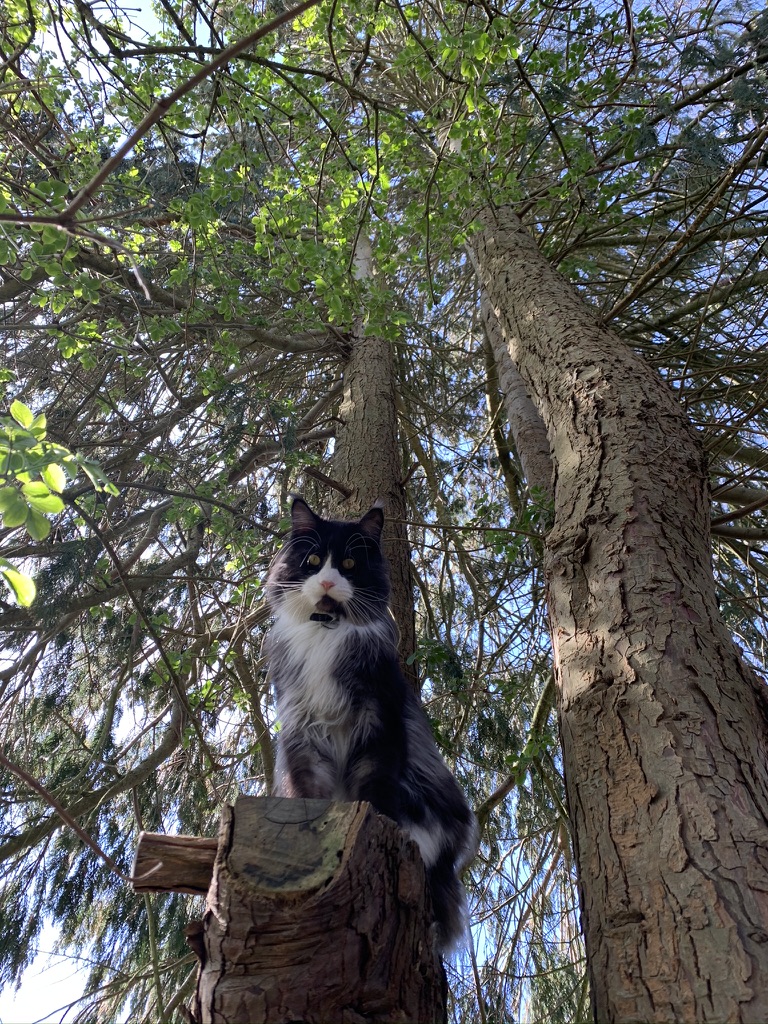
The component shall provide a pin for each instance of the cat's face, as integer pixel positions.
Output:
(330, 568)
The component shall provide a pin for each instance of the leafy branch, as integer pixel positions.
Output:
(33, 474)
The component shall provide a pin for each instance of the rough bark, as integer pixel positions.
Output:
(367, 460)
(317, 912)
(663, 726)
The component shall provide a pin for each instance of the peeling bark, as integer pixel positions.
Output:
(663, 726)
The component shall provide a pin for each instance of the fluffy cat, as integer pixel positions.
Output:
(350, 726)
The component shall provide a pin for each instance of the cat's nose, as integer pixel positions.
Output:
(327, 584)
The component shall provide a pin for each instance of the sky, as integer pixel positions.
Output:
(49, 984)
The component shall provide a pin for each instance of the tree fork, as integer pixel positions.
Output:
(317, 911)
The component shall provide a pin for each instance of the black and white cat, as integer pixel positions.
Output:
(350, 726)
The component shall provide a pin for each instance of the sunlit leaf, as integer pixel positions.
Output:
(54, 476)
(22, 414)
(23, 586)
(13, 508)
(39, 496)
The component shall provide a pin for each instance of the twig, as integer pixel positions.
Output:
(67, 818)
(646, 279)
(318, 475)
(163, 105)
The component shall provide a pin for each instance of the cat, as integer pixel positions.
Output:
(351, 728)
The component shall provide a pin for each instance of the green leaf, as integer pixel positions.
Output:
(38, 426)
(54, 476)
(98, 478)
(22, 414)
(12, 507)
(38, 526)
(39, 496)
(7, 496)
(23, 586)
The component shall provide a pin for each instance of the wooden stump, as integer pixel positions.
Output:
(317, 912)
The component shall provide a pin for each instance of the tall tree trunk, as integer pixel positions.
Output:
(525, 422)
(367, 460)
(663, 727)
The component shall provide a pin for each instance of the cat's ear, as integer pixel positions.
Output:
(303, 519)
(372, 523)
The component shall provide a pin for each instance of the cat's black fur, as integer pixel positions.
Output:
(350, 726)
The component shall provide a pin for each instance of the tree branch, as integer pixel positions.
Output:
(162, 106)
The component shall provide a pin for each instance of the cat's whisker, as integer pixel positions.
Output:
(363, 610)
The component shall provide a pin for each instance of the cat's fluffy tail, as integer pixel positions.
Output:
(449, 898)
(449, 903)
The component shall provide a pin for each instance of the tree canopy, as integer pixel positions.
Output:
(179, 294)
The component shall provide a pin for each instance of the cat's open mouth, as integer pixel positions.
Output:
(327, 611)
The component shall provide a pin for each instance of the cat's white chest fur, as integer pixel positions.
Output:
(313, 701)
(311, 652)
(312, 655)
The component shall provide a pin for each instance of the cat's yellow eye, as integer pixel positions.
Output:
(314, 559)
(348, 563)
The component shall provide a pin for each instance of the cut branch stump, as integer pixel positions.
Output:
(317, 912)
(174, 863)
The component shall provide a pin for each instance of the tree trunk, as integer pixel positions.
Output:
(367, 460)
(317, 912)
(663, 726)
(525, 422)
